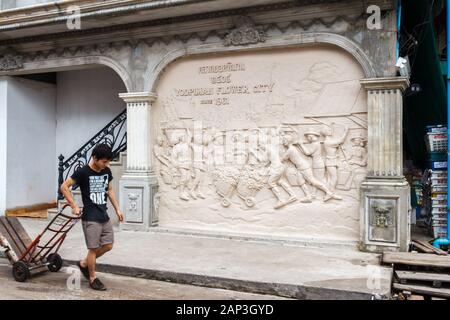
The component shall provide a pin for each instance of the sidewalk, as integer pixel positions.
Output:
(249, 266)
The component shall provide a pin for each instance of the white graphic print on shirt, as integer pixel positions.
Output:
(97, 188)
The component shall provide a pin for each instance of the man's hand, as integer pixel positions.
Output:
(76, 210)
(119, 215)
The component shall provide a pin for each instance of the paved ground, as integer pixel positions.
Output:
(50, 286)
(285, 270)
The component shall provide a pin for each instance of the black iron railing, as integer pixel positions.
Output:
(114, 134)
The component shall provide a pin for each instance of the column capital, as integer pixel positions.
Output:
(138, 97)
(385, 83)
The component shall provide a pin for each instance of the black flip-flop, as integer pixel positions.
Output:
(97, 285)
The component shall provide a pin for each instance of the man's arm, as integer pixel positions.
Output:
(115, 203)
(286, 155)
(65, 189)
(344, 135)
(304, 149)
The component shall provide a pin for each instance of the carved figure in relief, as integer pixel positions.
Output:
(355, 172)
(217, 150)
(182, 159)
(314, 149)
(359, 152)
(200, 149)
(331, 145)
(161, 153)
(293, 154)
(276, 174)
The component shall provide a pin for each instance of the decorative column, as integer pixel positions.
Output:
(138, 186)
(385, 194)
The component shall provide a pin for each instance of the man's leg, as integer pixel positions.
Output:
(99, 252)
(184, 180)
(99, 240)
(308, 175)
(332, 177)
(90, 263)
(90, 260)
(104, 249)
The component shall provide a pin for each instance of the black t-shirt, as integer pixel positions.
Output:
(94, 189)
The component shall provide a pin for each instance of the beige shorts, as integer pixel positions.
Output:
(98, 234)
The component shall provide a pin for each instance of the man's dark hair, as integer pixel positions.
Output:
(102, 151)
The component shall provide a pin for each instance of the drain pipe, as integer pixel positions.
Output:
(446, 241)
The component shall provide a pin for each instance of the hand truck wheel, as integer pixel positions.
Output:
(20, 271)
(55, 262)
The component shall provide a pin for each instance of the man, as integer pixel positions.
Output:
(332, 145)
(276, 170)
(94, 181)
(200, 150)
(314, 149)
(182, 159)
(161, 153)
(293, 154)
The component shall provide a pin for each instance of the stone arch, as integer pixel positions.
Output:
(68, 63)
(342, 42)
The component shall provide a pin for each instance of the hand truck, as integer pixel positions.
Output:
(26, 255)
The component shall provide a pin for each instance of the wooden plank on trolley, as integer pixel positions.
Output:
(21, 232)
(18, 238)
(416, 259)
(10, 235)
(423, 290)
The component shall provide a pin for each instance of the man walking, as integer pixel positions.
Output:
(293, 154)
(94, 181)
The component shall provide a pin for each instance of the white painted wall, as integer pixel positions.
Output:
(3, 143)
(31, 142)
(86, 101)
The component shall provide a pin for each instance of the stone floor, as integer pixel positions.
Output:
(249, 266)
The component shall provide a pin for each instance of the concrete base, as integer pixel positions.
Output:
(265, 268)
(385, 215)
(137, 200)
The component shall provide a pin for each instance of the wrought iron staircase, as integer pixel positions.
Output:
(114, 134)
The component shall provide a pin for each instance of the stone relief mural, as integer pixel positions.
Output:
(246, 137)
(312, 164)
